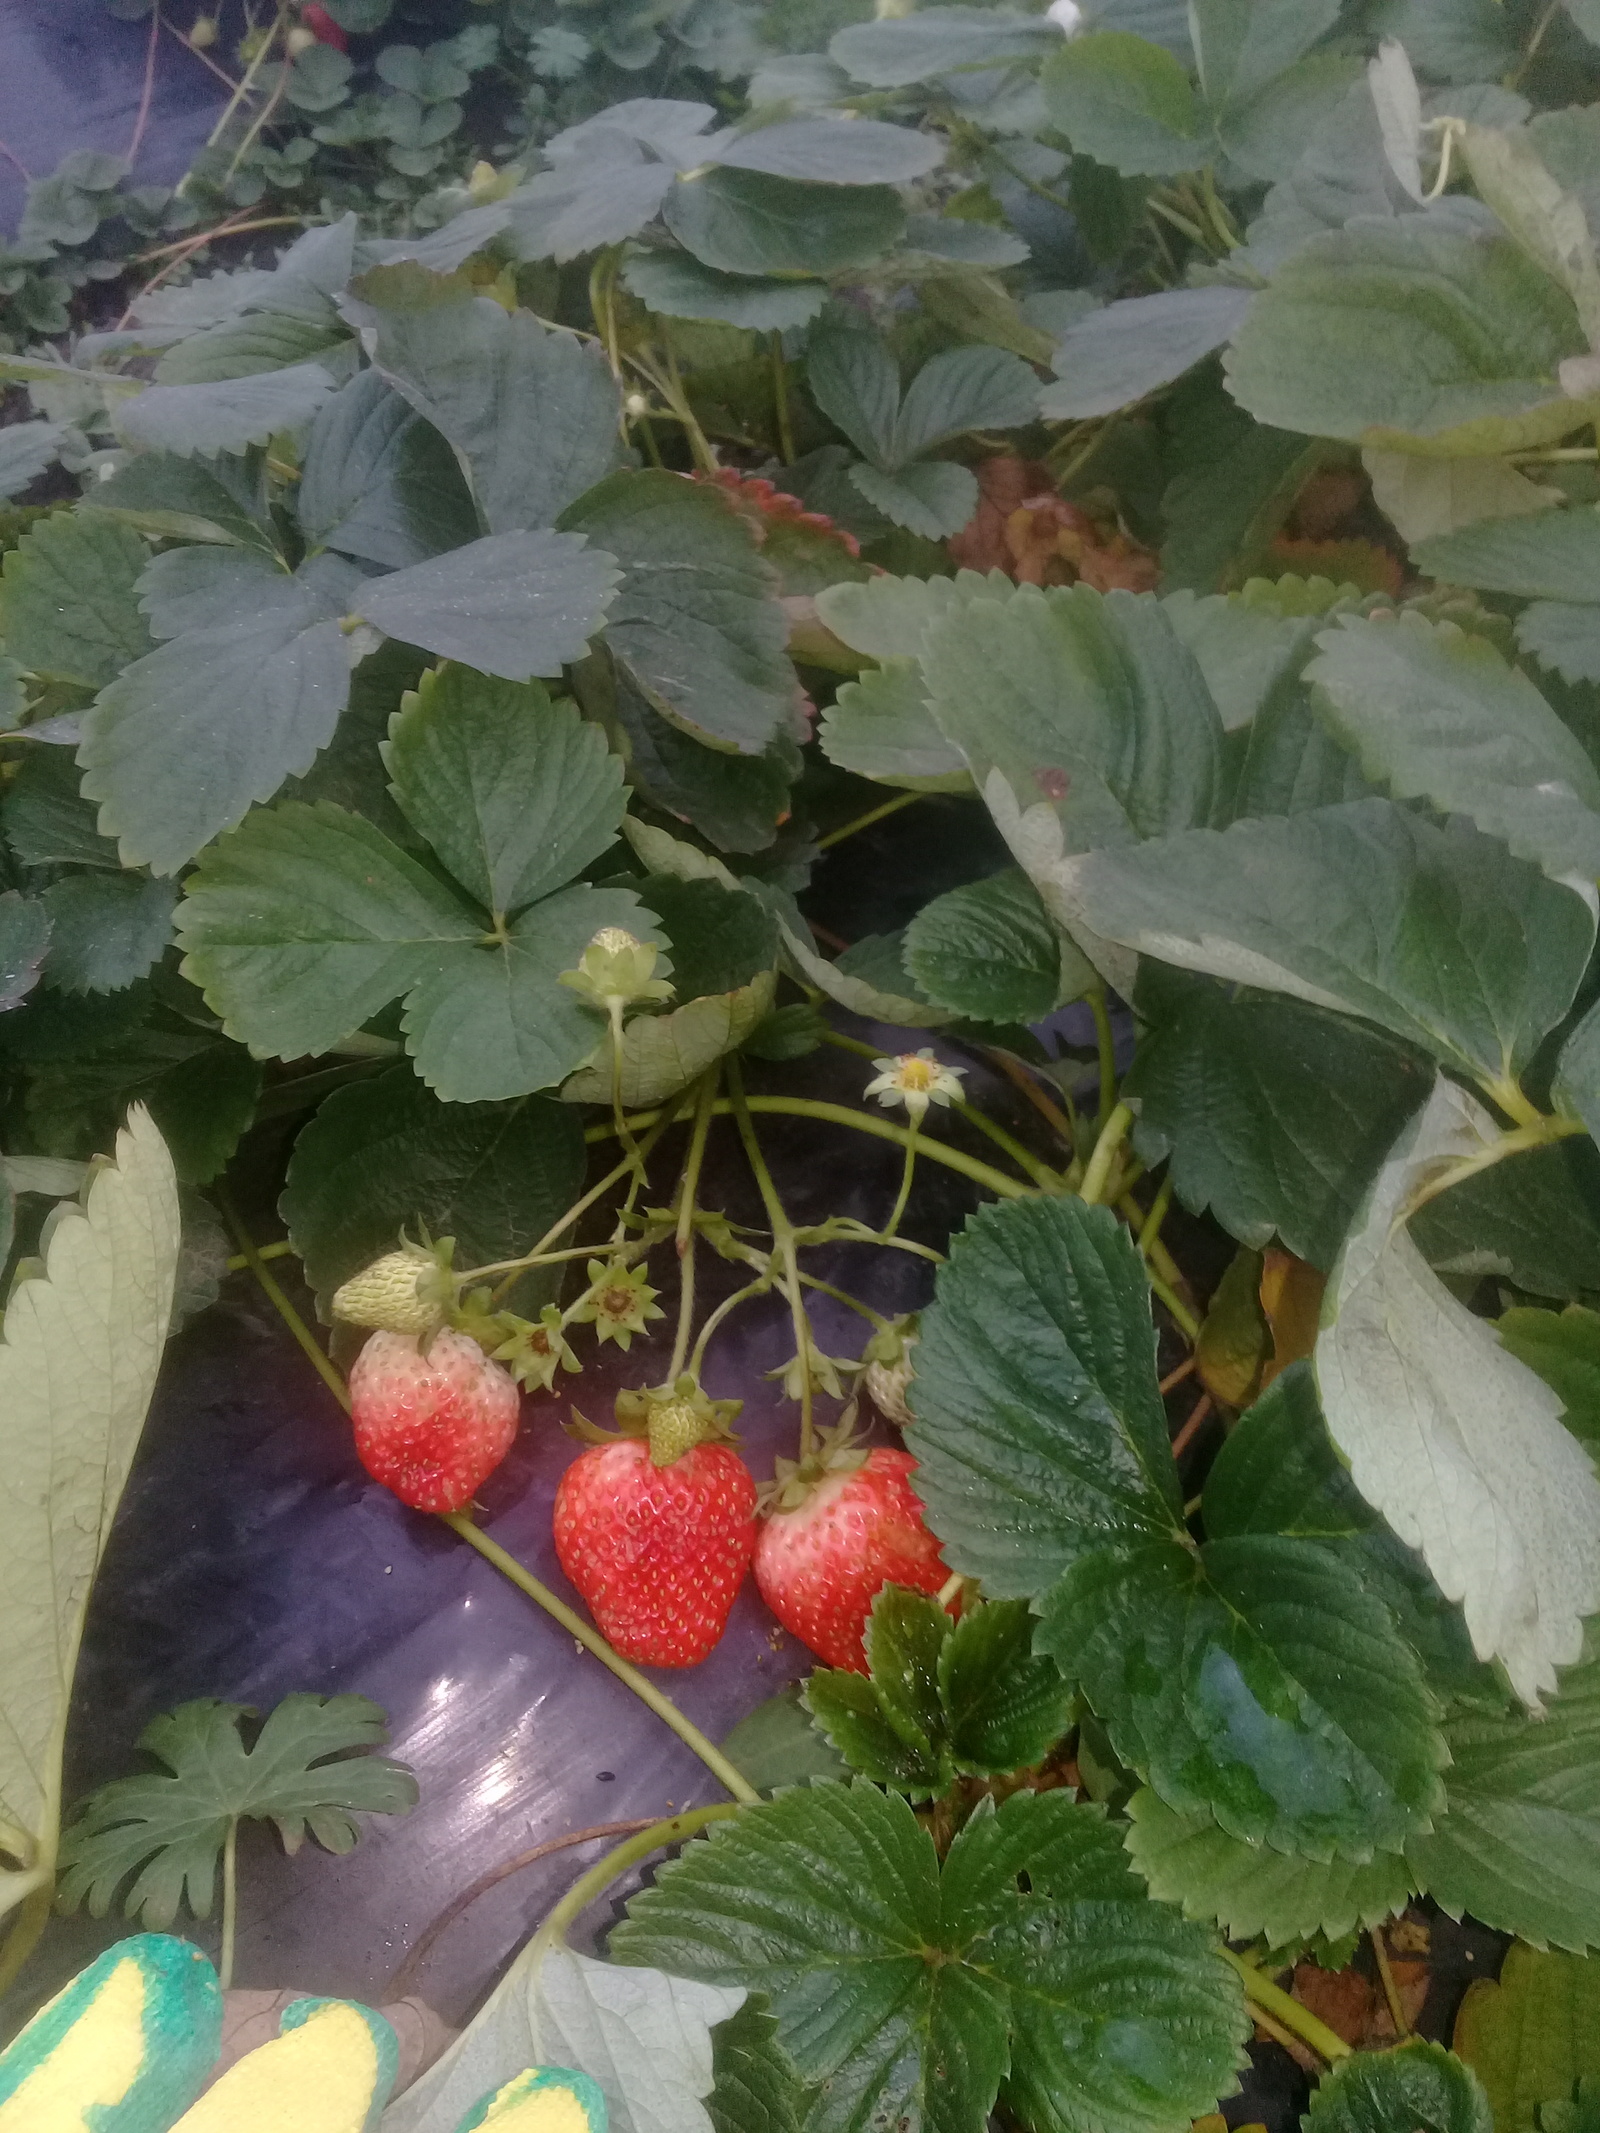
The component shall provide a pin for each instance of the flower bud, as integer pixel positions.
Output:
(299, 40)
(615, 969)
(203, 32)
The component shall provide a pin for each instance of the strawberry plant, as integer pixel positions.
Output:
(1023, 599)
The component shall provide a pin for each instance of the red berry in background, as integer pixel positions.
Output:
(658, 1552)
(432, 1425)
(821, 1564)
(323, 27)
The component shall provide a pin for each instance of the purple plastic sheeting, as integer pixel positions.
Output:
(253, 1557)
(72, 76)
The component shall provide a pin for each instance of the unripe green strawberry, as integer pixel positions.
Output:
(396, 1294)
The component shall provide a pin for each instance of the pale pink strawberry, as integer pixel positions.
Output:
(431, 1425)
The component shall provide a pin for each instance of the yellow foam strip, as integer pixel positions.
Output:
(329, 2073)
(93, 2066)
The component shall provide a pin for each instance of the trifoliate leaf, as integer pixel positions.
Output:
(515, 794)
(744, 222)
(696, 618)
(1438, 935)
(513, 604)
(1127, 103)
(854, 381)
(224, 416)
(646, 2038)
(106, 929)
(167, 1831)
(1239, 50)
(1038, 1427)
(1416, 2088)
(532, 412)
(1336, 347)
(258, 341)
(896, 52)
(385, 1157)
(1274, 1115)
(944, 1966)
(608, 176)
(1250, 1889)
(1116, 356)
(1531, 2037)
(68, 608)
(990, 953)
(1437, 715)
(1458, 1444)
(78, 1364)
(1519, 1842)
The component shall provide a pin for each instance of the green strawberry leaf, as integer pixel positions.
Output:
(385, 1157)
(1564, 1348)
(157, 1840)
(962, 1984)
(1039, 1429)
(1087, 702)
(103, 1299)
(224, 415)
(379, 483)
(970, 1697)
(881, 726)
(778, 1745)
(1250, 1889)
(533, 413)
(696, 620)
(24, 940)
(1127, 103)
(1532, 1222)
(898, 52)
(1255, 1679)
(673, 285)
(1416, 2088)
(1531, 2037)
(1437, 715)
(745, 222)
(68, 608)
(513, 604)
(757, 2089)
(1438, 935)
(990, 953)
(106, 929)
(1336, 346)
(1518, 1844)
(1274, 1115)
(515, 794)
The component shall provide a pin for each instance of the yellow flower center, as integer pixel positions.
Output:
(918, 1075)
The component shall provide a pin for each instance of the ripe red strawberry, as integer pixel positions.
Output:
(821, 1564)
(658, 1552)
(323, 27)
(431, 1426)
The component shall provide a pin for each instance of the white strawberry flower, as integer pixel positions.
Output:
(915, 1079)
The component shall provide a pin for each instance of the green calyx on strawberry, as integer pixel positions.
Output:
(838, 1528)
(671, 1419)
(655, 1524)
(432, 1420)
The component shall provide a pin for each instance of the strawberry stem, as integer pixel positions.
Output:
(784, 1246)
(324, 1368)
(688, 1186)
(592, 1641)
(1261, 1992)
(881, 1129)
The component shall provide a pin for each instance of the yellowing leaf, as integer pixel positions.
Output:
(78, 1363)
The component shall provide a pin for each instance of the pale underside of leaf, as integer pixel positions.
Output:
(1455, 1441)
(77, 1368)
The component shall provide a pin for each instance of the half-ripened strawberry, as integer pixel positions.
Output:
(823, 1559)
(432, 1424)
